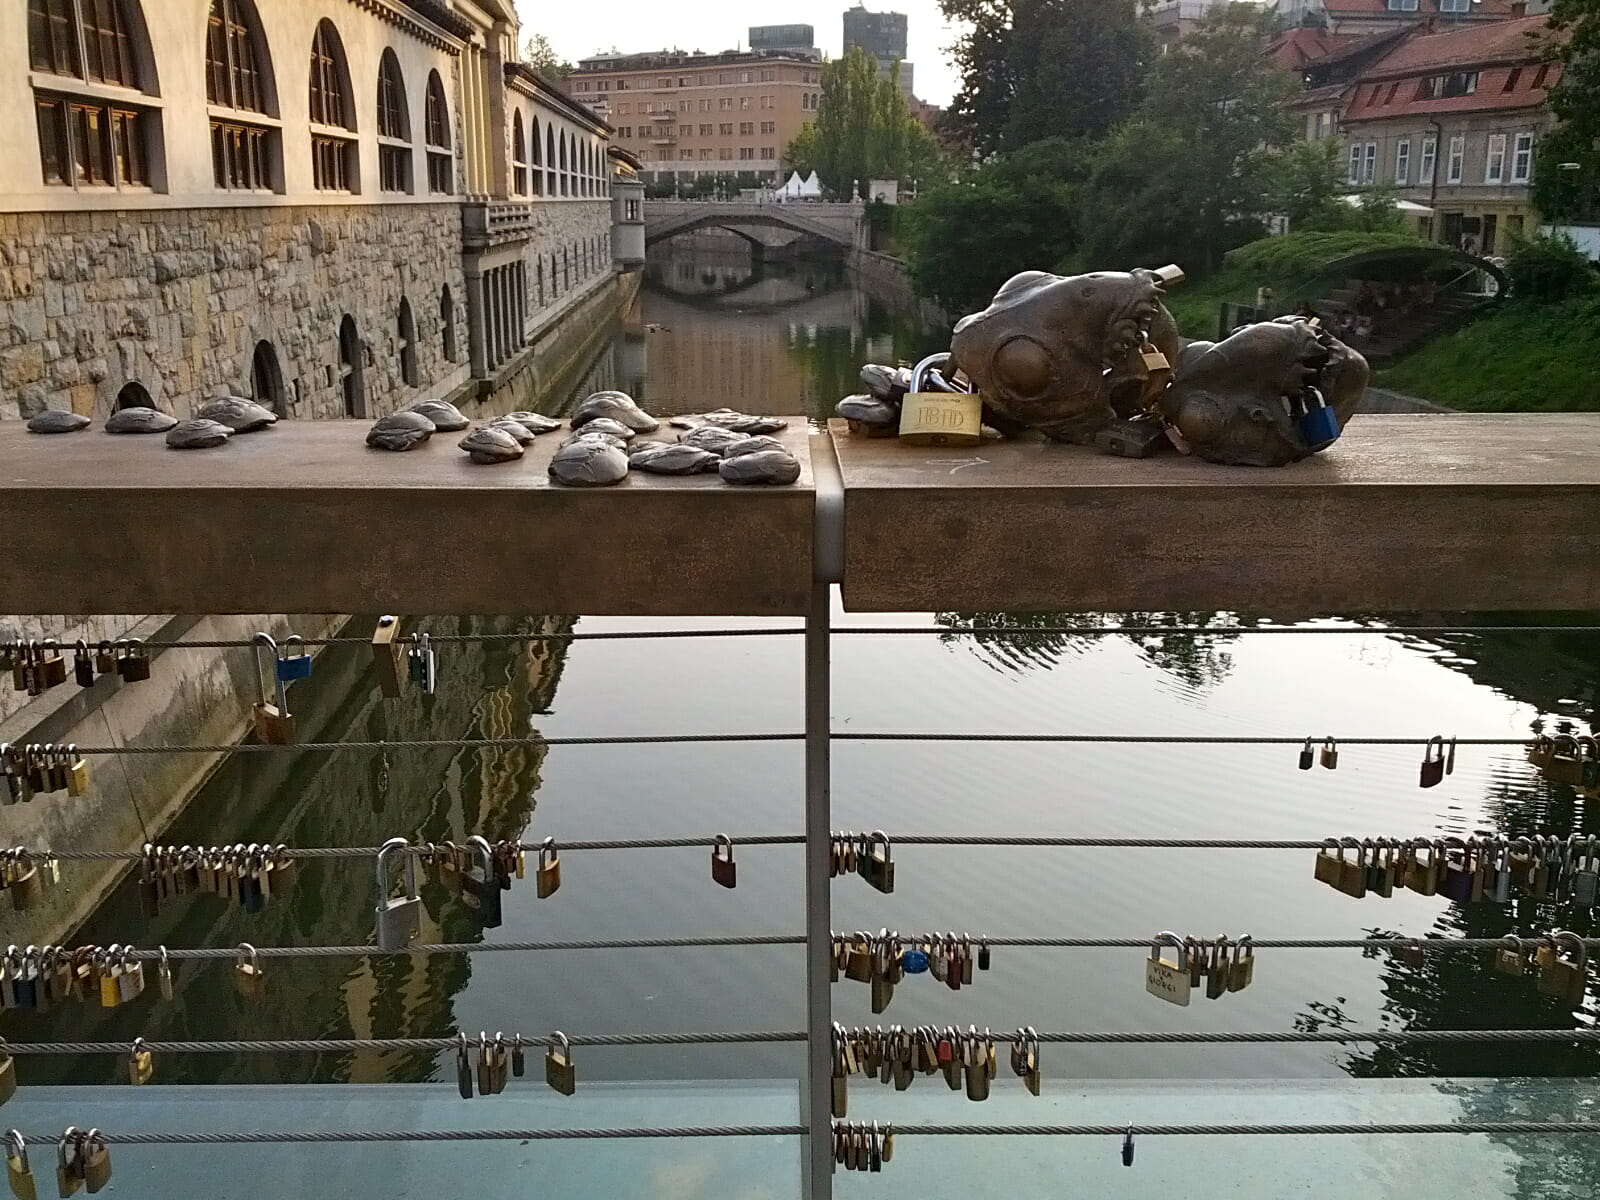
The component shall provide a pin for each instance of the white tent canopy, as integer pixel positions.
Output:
(794, 187)
(812, 186)
(1407, 207)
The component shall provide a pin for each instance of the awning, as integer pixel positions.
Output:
(1408, 207)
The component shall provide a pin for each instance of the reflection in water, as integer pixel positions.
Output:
(788, 338)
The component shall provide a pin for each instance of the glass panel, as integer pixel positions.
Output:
(92, 145)
(105, 39)
(54, 158)
(128, 126)
(53, 37)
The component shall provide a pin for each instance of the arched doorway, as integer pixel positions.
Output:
(133, 395)
(355, 401)
(266, 380)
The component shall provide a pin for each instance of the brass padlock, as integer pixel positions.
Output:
(547, 875)
(8, 1073)
(105, 658)
(248, 977)
(1353, 873)
(141, 1063)
(940, 417)
(1164, 979)
(274, 723)
(94, 1160)
(559, 1070)
(51, 665)
(108, 976)
(877, 865)
(1243, 971)
(1565, 979)
(26, 883)
(1565, 765)
(69, 1162)
(19, 1171)
(76, 770)
(133, 664)
(1508, 959)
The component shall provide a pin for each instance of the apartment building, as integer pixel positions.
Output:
(1377, 16)
(1452, 121)
(684, 115)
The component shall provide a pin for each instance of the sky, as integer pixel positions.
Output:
(577, 31)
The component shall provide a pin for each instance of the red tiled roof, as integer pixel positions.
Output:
(1514, 41)
(1302, 45)
(1499, 88)
(1322, 97)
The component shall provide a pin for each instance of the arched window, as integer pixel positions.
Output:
(333, 153)
(355, 401)
(134, 395)
(394, 127)
(447, 323)
(266, 381)
(244, 154)
(550, 160)
(536, 161)
(441, 155)
(407, 332)
(519, 156)
(86, 140)
(566, 167)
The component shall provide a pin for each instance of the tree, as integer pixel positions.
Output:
(1567, 170)
(1308, 185)
(964, 239)
(538, 53)
(1035, 69)
(864, 130)
(1192, 174)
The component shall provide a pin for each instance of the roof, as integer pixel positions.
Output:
(1321, 97)
(1512, 68)
(536, 84)
(1303, 44)
(1509, 42)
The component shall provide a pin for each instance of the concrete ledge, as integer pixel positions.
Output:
(1405, 513)
(306, 515)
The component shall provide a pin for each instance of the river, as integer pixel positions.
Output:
(708, 332)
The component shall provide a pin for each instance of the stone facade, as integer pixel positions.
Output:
(184, 304)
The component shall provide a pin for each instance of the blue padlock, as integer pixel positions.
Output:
(293, 666)
(1319, 425)
(914, 961)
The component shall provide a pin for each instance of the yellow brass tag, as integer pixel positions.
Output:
(941, 419)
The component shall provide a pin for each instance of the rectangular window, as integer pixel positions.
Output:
(1494, 161)
(685, 80)
(663, 83)
(1430, 151)
(725, 77)
(1353, 175)
(725, 154)
(1455, 6)
(1369, 168)
(686, 155)
(1402, 162)
(1514, 78)
(685, 130)
(725, 129)
(55, 156)
(747, 153)
(685, 106)
(769, 152)
(705, 106)
(330, 163)
(441, 172)
(768, 76)
(744, 101)
(52, 40)
(1522, 158)
(394, 168)
(91, 144)
(239, 156)
(1458, 158)
(725, 104)
(127, 130)
(581, 86)
(1402, 5)
(705, 155)
(768, 102)
(744, 76)
(746, 128)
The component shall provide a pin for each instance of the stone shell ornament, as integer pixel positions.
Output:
(672, 458)
(534, 422)
(588, 462)
(198, 434)
(615, 406)
(56, 420)
(237, 413)
(445, 416)
(139, 419)
(519, 432)
(712, 438)
(488, 445)
(767, 467)
(400, 431)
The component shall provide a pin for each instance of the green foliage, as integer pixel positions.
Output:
(1035, 69)
(1307, 185)
(538, 53)
(1569, 195)
(1522, 356)
(1191, 175)
(1304, 255)
(1548, 269)
(964, 239)
(864, 130)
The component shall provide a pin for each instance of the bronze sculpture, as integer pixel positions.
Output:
(1097, 359)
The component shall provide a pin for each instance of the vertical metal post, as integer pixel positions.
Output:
(827, 567)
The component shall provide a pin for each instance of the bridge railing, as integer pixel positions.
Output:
(1408, 513)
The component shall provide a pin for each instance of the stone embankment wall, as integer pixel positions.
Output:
(887, 276)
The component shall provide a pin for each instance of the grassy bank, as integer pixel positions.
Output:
(1520, 357)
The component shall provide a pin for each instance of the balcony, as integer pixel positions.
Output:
(485, 224)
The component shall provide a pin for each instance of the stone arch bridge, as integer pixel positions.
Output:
(831, 222)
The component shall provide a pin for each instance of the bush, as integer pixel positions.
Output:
(1303, 254)
(1549, 269)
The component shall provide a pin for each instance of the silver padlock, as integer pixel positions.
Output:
(399, 920)
(1586, 875)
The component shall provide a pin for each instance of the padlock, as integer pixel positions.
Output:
(26, 884)
(1329, 863)
(1219, 970)
(19, 1171)
(133, 664)
(108, 976)
(248, 977)
(1585, 874)
(1456, 876)
(559, 1069)
(1498, 861)
(1565, 979)
(1164, 979)
(94, 1158)
(1320, 424)
(485, 1066)
(274, 722)
(463, 1068)
(23, 968)
(1432, 773)
(291, 667)
(1422, 874)
(1157, 372)
(839, 1084)
(1565, 765)
(13, 775)
(1380, 867)
(1330, 754)
(859, 966)
(76, 770)
(1588, 785)
(105, 658)
(479, 887)
(8, 1073)
(1353, 872)
(1243, 971)
(386, 656)
(1509, 958)
(877, 865)
(723, 869)
(933, 413)
(547, 873)
(1308, 756)
(82, 665)
(422, 666)
(69, 1163)
(1127, 1147)
(519, 1059)
(52, 666)
(141, 1063)
(976, 1068)
(399, 920)
(164, 975)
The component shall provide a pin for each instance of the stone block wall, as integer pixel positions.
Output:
(178, 302)
(573, 226)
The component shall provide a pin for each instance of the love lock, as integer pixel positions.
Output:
(1319, 425)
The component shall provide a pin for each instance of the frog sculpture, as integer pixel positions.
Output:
(1072, 356)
